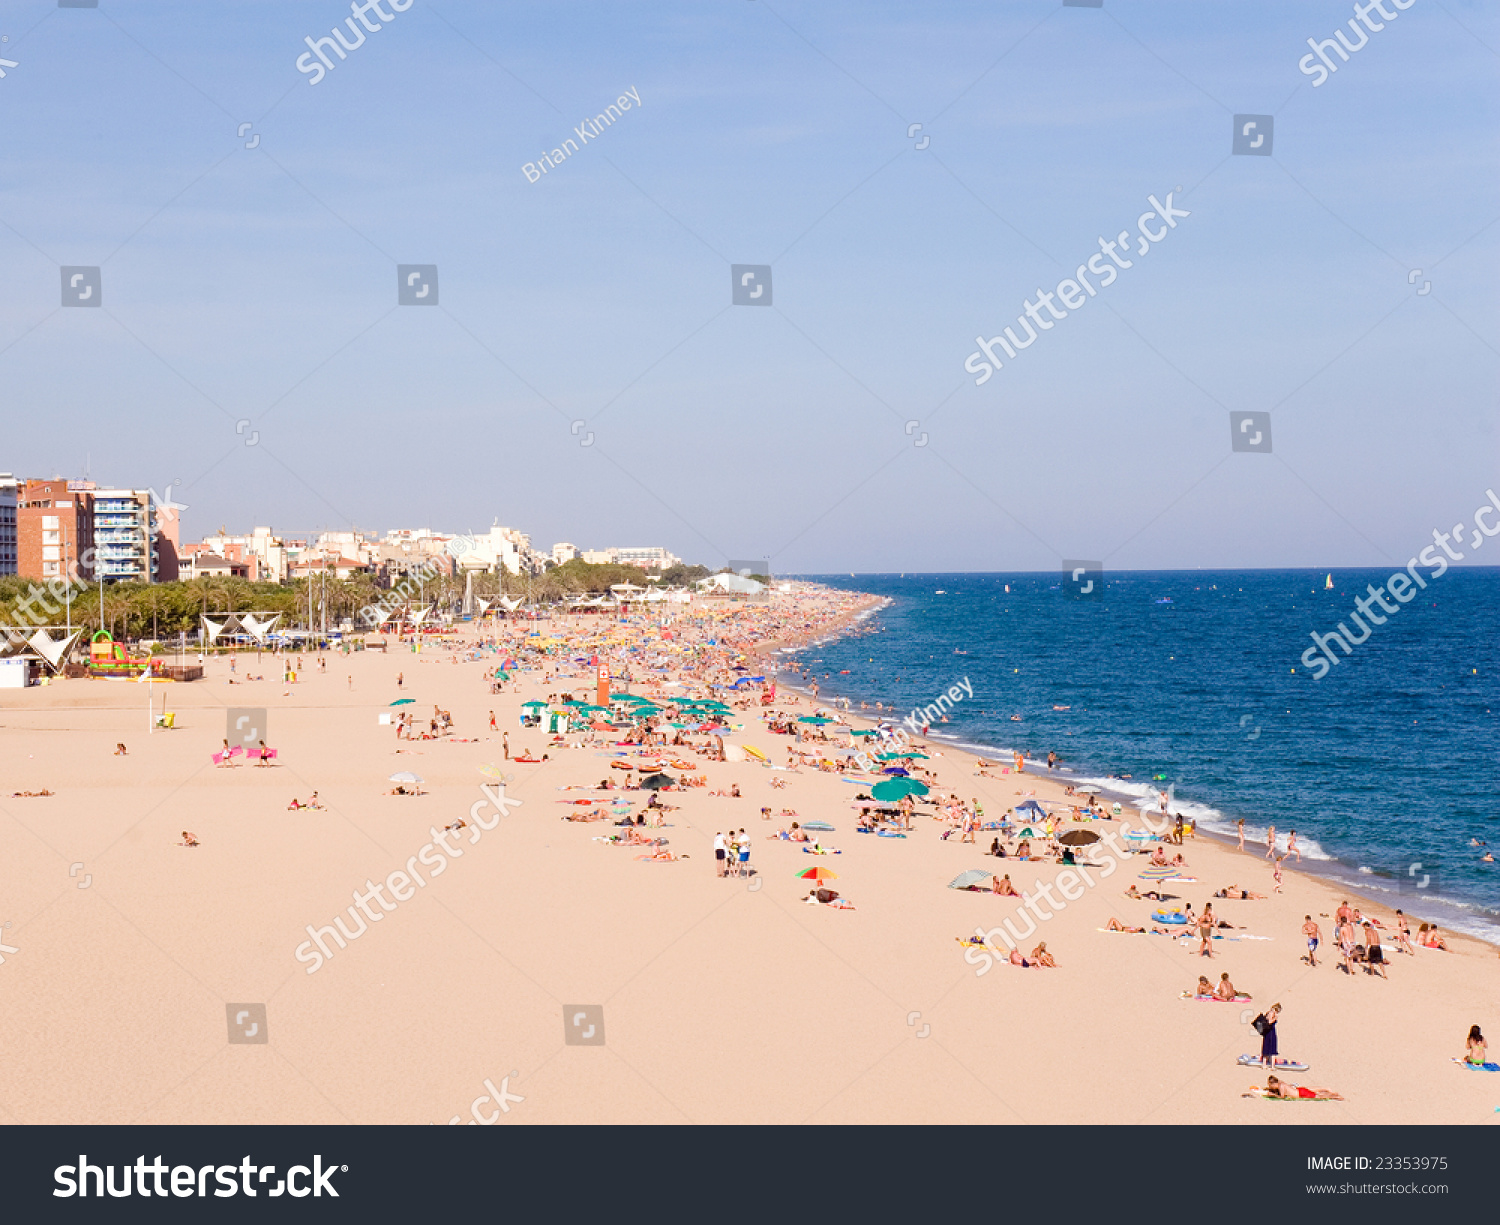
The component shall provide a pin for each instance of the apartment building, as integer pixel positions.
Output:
(9, 496)
(54, 529)
(125, 530)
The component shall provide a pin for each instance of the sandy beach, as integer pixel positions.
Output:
(723, 999)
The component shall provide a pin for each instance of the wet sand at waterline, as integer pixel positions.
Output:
(724, 1000)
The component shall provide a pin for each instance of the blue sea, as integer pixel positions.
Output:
(1386, 767)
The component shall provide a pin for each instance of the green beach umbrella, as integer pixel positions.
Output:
(898, 788)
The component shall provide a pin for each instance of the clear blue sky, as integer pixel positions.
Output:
(259, 285)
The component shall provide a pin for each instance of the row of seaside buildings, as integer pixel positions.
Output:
(53, 527)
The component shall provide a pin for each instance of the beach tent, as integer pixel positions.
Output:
(974, 876)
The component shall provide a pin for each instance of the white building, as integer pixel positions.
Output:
(563, 553)
(646, 557)
(501, 546)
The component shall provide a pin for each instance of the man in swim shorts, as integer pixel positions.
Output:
(1374, 954)
(1310, 930)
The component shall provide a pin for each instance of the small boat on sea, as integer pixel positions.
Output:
(1328, 583)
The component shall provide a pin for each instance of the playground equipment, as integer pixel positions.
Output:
(109, 658)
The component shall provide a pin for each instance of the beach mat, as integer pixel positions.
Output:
(1478, 1067)
(1214, 999)
(1277, 1065)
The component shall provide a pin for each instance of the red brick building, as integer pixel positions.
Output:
(54, 530)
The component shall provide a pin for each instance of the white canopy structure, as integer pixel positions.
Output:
(256, 624)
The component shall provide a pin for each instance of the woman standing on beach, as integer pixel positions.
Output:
(1266, 1024)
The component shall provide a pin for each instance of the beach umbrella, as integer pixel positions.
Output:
(403, 701)
(406, 776)
(1031, 806)
(973, 876)
(897, 771)
(819, 719)
(656, 781)
(818, 873)
(497, 772)
(1079, 837)
(818, 827)
(1159, 873)
(898, 788)
(862, 733)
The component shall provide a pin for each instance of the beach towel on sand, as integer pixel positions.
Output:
(1478, 1067)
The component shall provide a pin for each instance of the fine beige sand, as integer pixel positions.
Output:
(723, 1000)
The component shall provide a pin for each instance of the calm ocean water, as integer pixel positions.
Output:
(1388, 761)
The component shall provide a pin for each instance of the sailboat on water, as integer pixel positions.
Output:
(1328, 583)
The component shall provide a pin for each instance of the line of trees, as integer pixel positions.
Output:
(163, 610)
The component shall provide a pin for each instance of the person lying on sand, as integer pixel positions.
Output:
(1138, 896)
(23, 795)
(1276, 1087)
(829, 897)
(1016, 959)
(1234, 891)
(1116, 926)
(662, 855)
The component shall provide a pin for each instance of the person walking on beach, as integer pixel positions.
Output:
(505, 744)
(493, 726)
(1291, 846)
(1403, 934)
(1310, 930)
(1240, 825)
(400, 679)
(1374, 954)
(720, 848)
(1271, 843)
(1206, 932)
(1051, 761)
